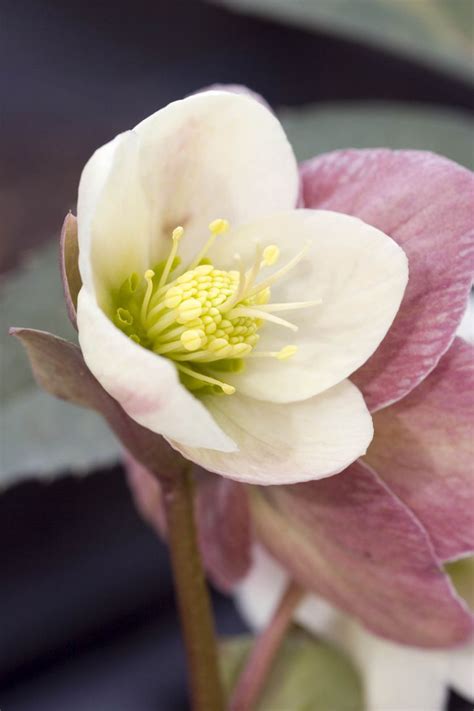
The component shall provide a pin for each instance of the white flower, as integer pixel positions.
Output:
(395, 677)
(216, 313)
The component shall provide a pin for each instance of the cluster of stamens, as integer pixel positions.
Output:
(204, 319)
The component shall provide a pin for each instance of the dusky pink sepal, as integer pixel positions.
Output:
(424, 450)
(425, 203)
(350, 540)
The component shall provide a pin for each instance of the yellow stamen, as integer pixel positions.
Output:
(192, 339)
(270, 255)
(276, 276)
(206, 319)
(217, 227)
(189, 310)
(283, 354)
(176, 236)
(290, 306)
(252, 274)
(257, 313)
(226, 388)
(287, 352)
(238, 294)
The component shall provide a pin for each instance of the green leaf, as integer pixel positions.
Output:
(435, 32)
(319, 128)
(42, 436)
(307, 675)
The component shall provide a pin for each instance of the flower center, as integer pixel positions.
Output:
(204, 319)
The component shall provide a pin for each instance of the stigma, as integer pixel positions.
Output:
(206, 320)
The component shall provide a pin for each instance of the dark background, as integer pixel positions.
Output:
(87, 618)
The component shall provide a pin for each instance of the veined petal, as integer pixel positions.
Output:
(424, 202)
(352, 541)
(360, 275)
(145, 385)
(214, 154)
(424, 450)
(280, 444)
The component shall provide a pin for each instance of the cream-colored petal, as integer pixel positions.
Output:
(114, 228)
(215, 154)
(359, 273)
(145, 385)
(294, 442)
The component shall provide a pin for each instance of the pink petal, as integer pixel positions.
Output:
(222, 517)
(424, 450)
(425, 203)
(349, 539)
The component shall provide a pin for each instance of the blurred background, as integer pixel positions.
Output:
(87, 617)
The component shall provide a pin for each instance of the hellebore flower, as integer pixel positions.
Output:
(373, 540)
(394, 677)
(214, 312)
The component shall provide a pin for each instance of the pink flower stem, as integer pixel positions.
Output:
(251, 682)
(192, 592)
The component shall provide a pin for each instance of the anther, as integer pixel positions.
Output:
(270, 255)
(227, 389)
(176, 236)
(192, 339)
(283, 354)
(276, 276)
(189, 310)
(287, 352)
(217, 227)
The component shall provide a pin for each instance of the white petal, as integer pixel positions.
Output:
(211, 155)
(359, 273)
(113, 218)
(145, 385)
(283, 444)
